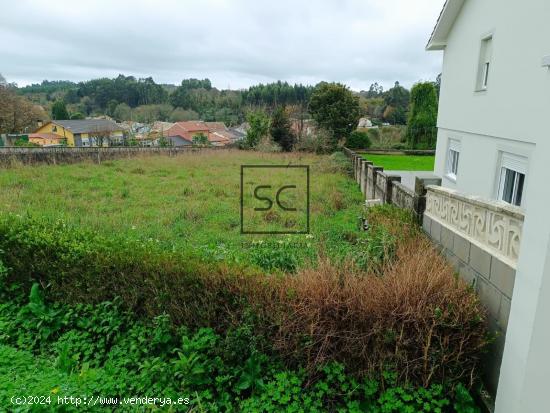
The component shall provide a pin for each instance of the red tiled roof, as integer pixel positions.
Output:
(193, 126)
(45, 135)
(218, 137)
(178, 130)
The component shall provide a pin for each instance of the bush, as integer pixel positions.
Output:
(320, 143)
(407, 311)
(216, 372)
(267, 145)
(358, 140)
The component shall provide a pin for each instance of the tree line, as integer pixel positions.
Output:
(335, 108)
(144, 100)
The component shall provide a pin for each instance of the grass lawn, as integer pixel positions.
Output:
(190, 202)
(402, 162)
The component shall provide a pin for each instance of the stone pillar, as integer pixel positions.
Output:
(358, 169)
(420, 185)
(362, 175)
(390, 179)
(372, 171)
(365, 185)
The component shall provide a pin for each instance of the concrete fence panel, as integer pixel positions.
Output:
(383, 186)
(54, 156)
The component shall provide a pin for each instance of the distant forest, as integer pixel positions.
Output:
(143, 100)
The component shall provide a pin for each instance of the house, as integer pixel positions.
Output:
(495, 176)
(177, 135)
(220, 138)
(365, 123)
(87, 132)
(184, 133)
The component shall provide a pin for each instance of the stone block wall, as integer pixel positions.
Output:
(381, 187)
(480, 238)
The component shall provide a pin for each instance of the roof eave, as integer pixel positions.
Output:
(433, 45)
(449, 13)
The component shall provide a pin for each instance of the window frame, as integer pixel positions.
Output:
(485, 62)
(451, 167)
(518, 165)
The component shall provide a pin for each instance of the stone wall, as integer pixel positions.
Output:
(481, 239)
(32, 156)
(380, 187)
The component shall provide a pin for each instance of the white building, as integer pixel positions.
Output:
(494, 142)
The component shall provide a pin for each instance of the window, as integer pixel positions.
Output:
(484, 63)
(512, 178)
(452, 159)
(54, 128)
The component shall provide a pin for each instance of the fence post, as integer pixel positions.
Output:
(364, 171)
(420, 185)
(390, 179)
(358, 169)
(372, 172)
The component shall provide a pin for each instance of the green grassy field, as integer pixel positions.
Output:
(191, 201)
(402, 162)
(132, 278)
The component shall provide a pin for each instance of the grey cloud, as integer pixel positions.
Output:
(236, 42)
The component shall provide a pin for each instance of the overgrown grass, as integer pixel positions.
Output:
(342, 320)
(402, 162)
(188, 203)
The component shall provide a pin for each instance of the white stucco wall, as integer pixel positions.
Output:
(513, 115)
(509, 115)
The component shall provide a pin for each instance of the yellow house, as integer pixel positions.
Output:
(86, 132)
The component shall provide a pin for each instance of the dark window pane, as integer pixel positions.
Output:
(507, 193)
(519, 189)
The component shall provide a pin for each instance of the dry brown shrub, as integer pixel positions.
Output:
(417, 319)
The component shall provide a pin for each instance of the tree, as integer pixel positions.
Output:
(122, 112)
(358, 140)
(281, 130)
(77, 116)
(200, 139)
(375, 90)
(398, 98)
(179, 115)
(259, 127)
(17, 113)
(59, 111)
(335, 109)
(422, 116)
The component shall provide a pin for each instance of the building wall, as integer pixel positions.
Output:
(479, 162)
(66, 133)
(60, 130)
(511, 115)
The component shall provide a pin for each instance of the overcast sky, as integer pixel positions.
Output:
(235, 43)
